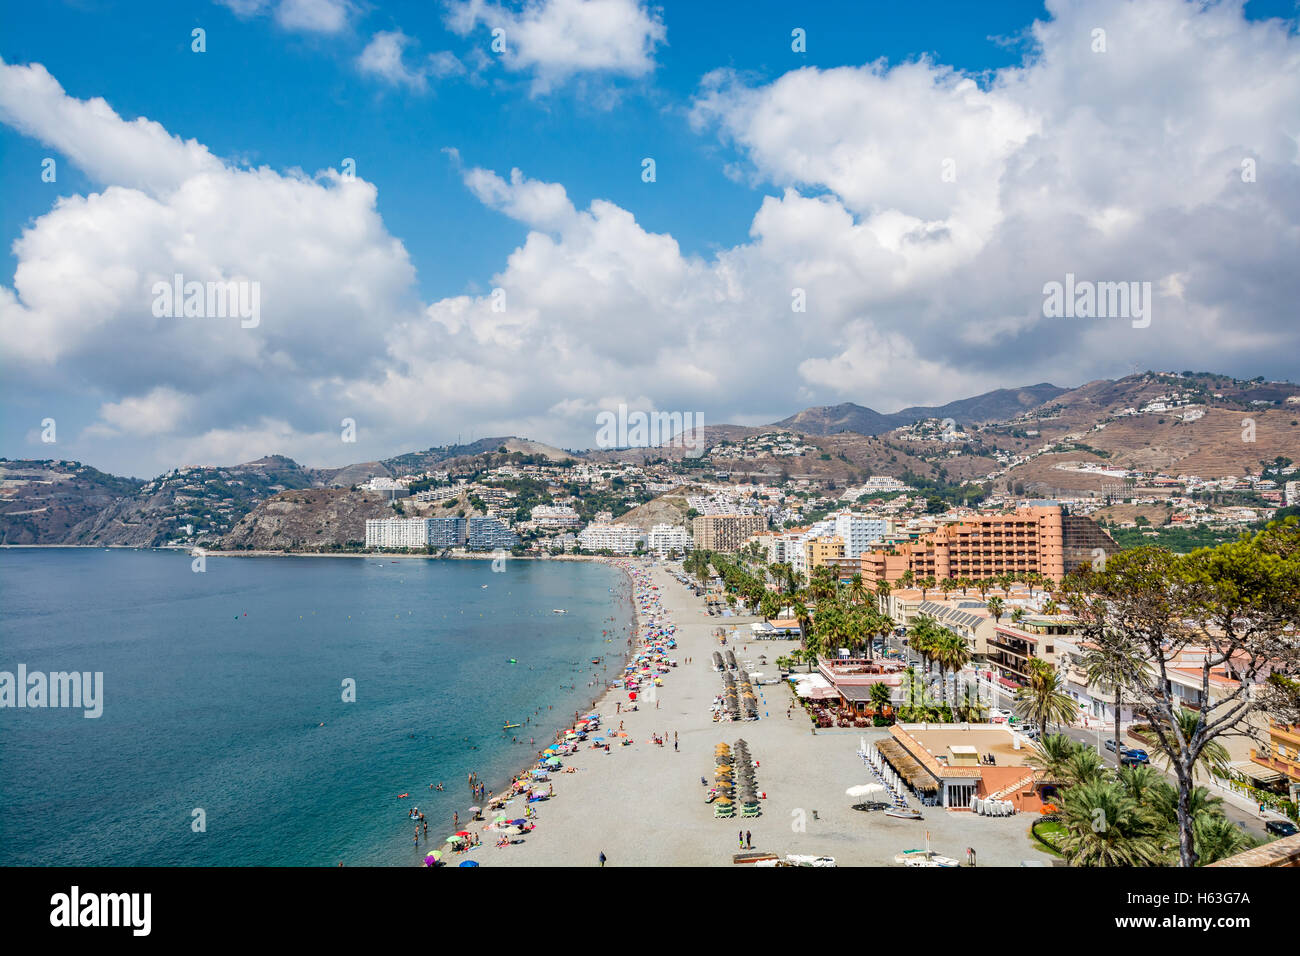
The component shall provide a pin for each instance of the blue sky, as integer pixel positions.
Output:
(766, 160)
(268, 95)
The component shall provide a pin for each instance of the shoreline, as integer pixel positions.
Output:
(596, 704)
(188, 550)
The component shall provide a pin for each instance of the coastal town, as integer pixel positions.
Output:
(548, 436)
(951, 731)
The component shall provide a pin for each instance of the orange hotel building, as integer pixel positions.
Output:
(1036, 538)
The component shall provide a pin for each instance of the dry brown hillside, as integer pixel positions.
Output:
(309, 519)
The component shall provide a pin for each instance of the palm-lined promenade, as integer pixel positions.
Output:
(1143, 627)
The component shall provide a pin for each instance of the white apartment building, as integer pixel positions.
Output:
(859, 532)
(414, 532)
(555, 516)
(381, 483)
(616, 538)
(663, 539)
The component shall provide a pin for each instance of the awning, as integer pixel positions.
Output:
(1257, 772)
(917, 776)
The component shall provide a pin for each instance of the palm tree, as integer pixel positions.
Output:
(1104, 826)
(1163, 799)
(906, 579)
(1084, 766)
(1043, 698)
(995, 608)
(1017, 615)
(953, 654)
(964, 582)
(1050, 607)
(1052, 755)
(1217, 838)
(1140, 780)
(882, 592)
(1110, 668)
(925, 584)
(947, 585)
(922, 636)
(971, 708)
(880, 696)
(857, 590)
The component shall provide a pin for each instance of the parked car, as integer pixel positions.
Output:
(1110, 744)
(1133, 757)
(1281, 828)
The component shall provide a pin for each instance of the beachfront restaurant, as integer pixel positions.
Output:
(853, 678)
(951, 765)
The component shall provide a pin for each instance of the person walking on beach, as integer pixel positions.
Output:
(602, 857)
(740, 838)
(455, 818)
(749, 840)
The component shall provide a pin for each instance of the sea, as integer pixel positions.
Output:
(226, 737)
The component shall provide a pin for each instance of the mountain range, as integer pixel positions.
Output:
(1039, 440)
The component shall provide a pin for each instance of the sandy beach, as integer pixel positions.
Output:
(644, 805)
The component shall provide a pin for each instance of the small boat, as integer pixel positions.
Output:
(924, 858)
(904, 813)
(510, 726)
(555, 610)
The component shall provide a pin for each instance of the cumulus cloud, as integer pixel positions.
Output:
(920, 286)
(557, 39)
(385, 57)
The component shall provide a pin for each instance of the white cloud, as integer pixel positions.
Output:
(160, 411)
(299, 16)
(313, 16)
(385, 57)
(1122, 166)
(557, 39)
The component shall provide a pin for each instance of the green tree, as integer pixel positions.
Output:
(995, 605)
(952, 654)
(1043, 699)
(1108, 669)
(1052, 755)
(1104, 826)
(1233, 605)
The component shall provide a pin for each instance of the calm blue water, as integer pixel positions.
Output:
(216, 684)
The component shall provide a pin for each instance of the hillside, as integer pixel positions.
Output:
(44, 502)
(305, 520)
(668, 508)
(997, 405)
(1038, 441)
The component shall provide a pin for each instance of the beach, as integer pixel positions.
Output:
(644, 804)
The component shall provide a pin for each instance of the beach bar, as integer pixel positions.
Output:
(964, 766)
